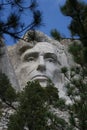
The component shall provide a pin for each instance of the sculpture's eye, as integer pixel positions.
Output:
(51, 60)
(50, 57)
(30, 59)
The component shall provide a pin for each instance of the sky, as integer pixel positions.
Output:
(52, 18)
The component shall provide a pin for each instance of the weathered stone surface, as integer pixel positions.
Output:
(16, 50)
(7, 68)
(11, 60)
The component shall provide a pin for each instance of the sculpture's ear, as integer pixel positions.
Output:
(23, 49)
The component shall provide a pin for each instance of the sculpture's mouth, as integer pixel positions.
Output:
(40, 78)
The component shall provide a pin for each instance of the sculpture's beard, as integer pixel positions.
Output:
(42, 79)
(25, 77)
(43, 84)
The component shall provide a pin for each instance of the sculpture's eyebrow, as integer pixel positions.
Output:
(52, 55)
(23, 49)
(30, 54)
(48, 55)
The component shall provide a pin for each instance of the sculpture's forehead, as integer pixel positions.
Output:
(43, 47)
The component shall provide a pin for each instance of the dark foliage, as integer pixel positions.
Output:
(34, 111)
(77, 75)
(56, 35)
(7, 93)
(13, 14)
(77, 10)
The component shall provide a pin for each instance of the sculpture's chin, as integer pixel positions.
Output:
(42, 82)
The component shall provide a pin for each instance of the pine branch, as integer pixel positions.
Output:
(14, 35)
(32, 5)
(8, 3)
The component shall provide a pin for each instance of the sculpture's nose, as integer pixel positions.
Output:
(41, 64)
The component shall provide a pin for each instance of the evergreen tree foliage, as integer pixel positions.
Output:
(77, 11)
(7, 93)
(1, 45)
(56, 35)
(77, 76)
(12, 15)
(77, 92)
(35, 109)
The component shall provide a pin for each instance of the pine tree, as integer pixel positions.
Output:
(12, 13)
(77, 11)
(56, 34)
(8, 96)
(77, 75)
(35, 109)
(7, 93)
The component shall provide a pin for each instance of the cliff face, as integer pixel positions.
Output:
(10, 59)
(14, 55)
(7, 68)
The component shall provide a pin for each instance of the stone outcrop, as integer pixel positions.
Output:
(16, 50)
(7, 68)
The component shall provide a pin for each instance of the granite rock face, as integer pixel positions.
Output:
(11, 59)
(7, 68)
(30, 40)
(15, 51)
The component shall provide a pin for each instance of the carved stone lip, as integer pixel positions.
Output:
(40, 77)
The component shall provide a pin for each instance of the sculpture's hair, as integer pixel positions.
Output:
(32, 37)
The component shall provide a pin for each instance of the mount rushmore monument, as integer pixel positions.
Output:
(37, 57)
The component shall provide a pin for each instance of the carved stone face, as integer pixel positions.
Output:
(39, 63)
